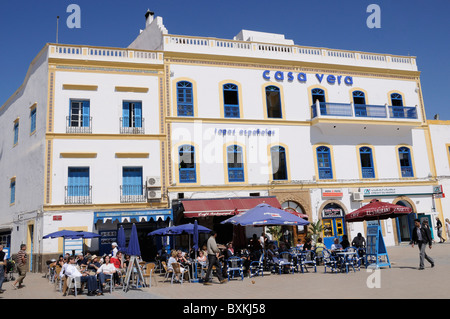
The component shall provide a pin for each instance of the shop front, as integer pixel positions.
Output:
(108, 224)
(333, 223)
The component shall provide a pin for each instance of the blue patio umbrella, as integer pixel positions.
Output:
(265, 215)
(133, 244)
(189, 229)
(87, 235)
(63, 233)
(195, 237)
(161, 232)
(121, 242)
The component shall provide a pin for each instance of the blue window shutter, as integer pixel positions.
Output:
(132, 181)
(86, 113)
(138, 114)
(13, 192)
(78, 181)
(33, 120)
(126, 114)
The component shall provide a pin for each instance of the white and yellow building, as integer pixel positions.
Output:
(323, 131)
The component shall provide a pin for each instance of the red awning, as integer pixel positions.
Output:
(224, 206)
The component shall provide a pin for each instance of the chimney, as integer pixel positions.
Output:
(149, 17)
(436, 116)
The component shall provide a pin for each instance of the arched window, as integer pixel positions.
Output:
(185, 99)
(324, 162)
(367, 169)
(404, 155)
(397, 106)
(231, 100)
(318, 94)
(235, 163)
(186, 160)
(359, 100)
(273, 102)
(279, 163)
(396, 99)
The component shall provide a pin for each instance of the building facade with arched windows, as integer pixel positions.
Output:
(219, 125)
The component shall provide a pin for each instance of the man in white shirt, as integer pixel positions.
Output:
(71, 270)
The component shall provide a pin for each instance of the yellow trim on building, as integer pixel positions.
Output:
(131, 89)
(78, 155)
(132, 155)
(80, 87)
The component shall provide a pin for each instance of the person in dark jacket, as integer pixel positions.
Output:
(422, 236)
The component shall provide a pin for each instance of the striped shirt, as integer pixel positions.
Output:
(21, 257)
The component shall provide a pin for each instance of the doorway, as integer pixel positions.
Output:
(405, 224)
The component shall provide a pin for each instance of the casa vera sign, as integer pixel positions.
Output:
(303, 77)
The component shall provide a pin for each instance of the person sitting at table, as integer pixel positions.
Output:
(336, 246)
(106, 270)
(72, 271)
(345, 243)
(173, 259)
(359, 241)
(230, 250)
(308, 244)
(182, 260)
(120, 268)
(319, 249)
(93, 264)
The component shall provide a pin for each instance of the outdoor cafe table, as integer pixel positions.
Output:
(345, 258)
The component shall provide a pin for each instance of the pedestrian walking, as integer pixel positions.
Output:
(422, 236)
(21, 263)
(213, 259)
(439, 229)
(447, 227)
(2, 267)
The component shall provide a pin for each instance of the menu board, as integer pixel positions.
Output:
(376, 252)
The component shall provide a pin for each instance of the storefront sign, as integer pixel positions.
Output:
(389, 191)
(244, 132)
(57, 217)
(332, 212)
(332, 193)
(302, 77)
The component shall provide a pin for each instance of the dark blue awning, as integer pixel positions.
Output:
(137, 215)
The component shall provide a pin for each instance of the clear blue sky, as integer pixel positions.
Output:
(408, 27)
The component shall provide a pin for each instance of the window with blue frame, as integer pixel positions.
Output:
(79, 113)
(324, 162)
(367, 169)
(12, 186)
(279, 163)
(396, 99)
(186, 159)
(185, 99)
(131, 114)
(397, 105)
(132, 182)
(235, 163)
(273, 102)
(78, 182)
(359, 101)
(404, 154)
(231, 100)
(318, 94)
(16, 132)
(33, 120)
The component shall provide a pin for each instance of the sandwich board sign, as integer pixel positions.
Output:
(376, 253)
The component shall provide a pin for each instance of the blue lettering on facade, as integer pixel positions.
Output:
(302, 77)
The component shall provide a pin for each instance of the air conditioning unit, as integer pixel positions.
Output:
(153, 194)
(358, 197)
(153, 181)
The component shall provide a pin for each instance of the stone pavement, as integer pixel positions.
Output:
(399, 282)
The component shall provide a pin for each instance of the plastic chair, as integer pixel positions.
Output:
(308, 258)
(234, 264)
(148, 272)
(256, 267)
(328, 260)
(73, 283)
(285, 260)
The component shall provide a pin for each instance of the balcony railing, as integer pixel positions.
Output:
(324, 109)
(132, 125)
(78, 195)
(81, 125)
(368, 172)
(133, 194)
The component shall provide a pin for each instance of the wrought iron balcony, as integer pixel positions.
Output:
(78, 195)
(133, 194)
(132, 125)
(79, 125)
